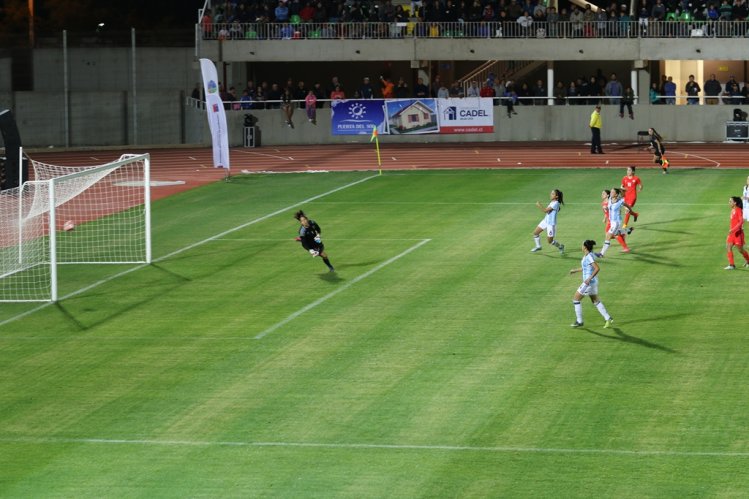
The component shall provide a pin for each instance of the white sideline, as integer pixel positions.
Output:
(186, 248)
(365, 446)
(353, 281)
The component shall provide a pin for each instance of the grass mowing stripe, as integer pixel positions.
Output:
(399, 447)
(182, 250)
(342, 288)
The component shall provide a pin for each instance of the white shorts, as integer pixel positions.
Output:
(588, 289)
(551, 230)
(616, 228)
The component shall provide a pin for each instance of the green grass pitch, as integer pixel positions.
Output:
(437, 361)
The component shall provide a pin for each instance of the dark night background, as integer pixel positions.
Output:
(84, 15)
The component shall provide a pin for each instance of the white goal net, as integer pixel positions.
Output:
(72, 215)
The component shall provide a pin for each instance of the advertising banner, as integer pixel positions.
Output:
(214, 106)
(412, 116)
(466, 115)
(358, 117)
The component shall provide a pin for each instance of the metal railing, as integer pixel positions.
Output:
(495, 29)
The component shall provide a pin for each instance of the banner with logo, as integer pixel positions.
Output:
(358, 117)
(466, 115)
(214, 106)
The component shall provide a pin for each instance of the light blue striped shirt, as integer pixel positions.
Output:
(588, 269)
(615, 213)
(551, 217)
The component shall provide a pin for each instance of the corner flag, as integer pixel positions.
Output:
(376, 139)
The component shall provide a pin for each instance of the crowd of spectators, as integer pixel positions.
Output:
(488, 17)
(595, 89)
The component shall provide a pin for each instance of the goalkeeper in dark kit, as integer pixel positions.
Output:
(309, 236)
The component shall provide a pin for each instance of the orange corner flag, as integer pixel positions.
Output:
(374, 134)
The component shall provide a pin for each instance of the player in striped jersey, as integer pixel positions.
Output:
(589, 286)
(549, 223)
(615, 205)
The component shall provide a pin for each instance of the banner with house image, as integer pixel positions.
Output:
(466, 115)
(412, 116)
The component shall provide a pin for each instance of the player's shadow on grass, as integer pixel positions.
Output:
(331, 277)
(360, 264)
(121, 304)
(624, 337)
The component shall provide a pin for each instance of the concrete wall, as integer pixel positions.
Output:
(109, 69)
(477, 49)
(532, 123)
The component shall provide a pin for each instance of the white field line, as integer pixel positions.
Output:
(353, 281)
(365, 446)
(182, 250)
(686, 155)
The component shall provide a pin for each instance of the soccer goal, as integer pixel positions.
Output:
(72, 215)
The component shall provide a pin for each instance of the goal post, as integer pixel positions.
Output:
(73, 215)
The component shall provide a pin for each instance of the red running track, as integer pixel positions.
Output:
(193, 166)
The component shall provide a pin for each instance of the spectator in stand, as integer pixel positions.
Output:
(523, 94)
(300, 93)
(259, 100)
(576, 18)
(310, 105)
(456, 90)
(669, 90)
(473, 90)
(337, 94)
(365, 90)
(388, 89)
(499, 91)
(613, 90)
(401, 89)
(281, 13)
(421, 91)
(584, 89)
(250, 88)
(206, 23)
(745, 96)
(628, 98)
(334, 82)
(572, 93)
(510, 98)
(725, 11)
(602, 18)
(658, 12)
(552, 21)
(692, 89)
(560, 94)
(443, 92)
(245, 100)
(307, 14)
(713, 89)
(731, 82)
(287, 106)
(487, 90)
(436, 85)
(735, 93)
(525, 22)
(540, 91)
(655, 95)
(274, 94)
(319, 94)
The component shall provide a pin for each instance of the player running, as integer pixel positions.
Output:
(549, 223)
(631, 185)
(589, 287)
(615, 205)
(309, 236)
(659, 150)
(736, 233)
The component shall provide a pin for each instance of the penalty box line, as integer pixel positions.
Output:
(353, 281)
(374, 446)
(182, 250)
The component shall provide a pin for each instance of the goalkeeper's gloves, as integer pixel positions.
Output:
(318, 239)
(314, 252)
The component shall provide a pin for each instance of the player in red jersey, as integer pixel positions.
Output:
(736, 233)
(631, 184)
